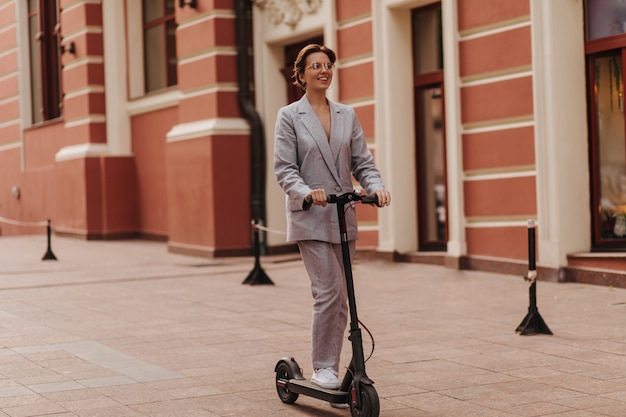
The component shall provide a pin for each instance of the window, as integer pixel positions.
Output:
(429, 123)
(159, 44)
(45, 62)
(605, 18)
(606, 54)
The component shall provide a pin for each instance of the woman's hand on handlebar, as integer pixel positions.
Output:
(380, 198)
(318, 197)
(383, 196)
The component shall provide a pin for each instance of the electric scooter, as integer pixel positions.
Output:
(356, 388)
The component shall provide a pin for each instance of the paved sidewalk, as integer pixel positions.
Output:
(125, 329)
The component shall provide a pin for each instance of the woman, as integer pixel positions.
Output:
(319, 146)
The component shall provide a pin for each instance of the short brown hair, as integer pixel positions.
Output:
(300, 62)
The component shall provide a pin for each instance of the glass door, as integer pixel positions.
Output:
(432, 167)
(608, 148)
(430, 135)
(605, 50)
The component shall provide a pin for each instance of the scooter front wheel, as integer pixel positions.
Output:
(370, 404)
(284, 374)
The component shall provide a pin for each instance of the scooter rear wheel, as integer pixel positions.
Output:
(370, 404)
(283, 373)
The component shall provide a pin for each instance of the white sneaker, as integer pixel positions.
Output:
(341, 406)
(326, 378)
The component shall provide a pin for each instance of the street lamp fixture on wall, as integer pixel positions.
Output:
(191, 3)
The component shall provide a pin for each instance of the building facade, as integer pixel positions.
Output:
(155, 118)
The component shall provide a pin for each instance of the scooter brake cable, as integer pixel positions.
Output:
(371, 337)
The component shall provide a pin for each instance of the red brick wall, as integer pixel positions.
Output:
(148, 146)
(473, 14)
(204, 211)
(82, 73)
(496, 109)
(356, 83)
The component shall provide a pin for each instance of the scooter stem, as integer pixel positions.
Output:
(356, 371)
(341, 201)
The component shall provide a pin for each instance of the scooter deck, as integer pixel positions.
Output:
(306, 387)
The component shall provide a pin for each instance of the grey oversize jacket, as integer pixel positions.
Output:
(304, 160)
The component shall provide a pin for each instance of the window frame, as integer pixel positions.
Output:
(423, 81)
(594, 49)
(49, 70)
(169, 45)
(599, 242)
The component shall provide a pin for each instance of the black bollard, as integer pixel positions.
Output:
(49, 256)
(533, 322)
(257, 276)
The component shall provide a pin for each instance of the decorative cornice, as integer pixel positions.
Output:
(209, 127)
(289, 12)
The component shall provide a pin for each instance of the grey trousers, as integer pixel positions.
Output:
(324, 265)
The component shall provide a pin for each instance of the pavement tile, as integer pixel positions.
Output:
(56, 387)
(115, 411)
(45, 414)
(587, 402)
(106, 381)
(89, 404)
(580, 383)
(31, 410)
(540, 409)
(442, 404)
(184, 413)
(134, 394)
(14, 391)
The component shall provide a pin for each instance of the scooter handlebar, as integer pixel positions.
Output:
(347, 197)
(369, 199)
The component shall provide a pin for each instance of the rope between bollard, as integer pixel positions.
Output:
(266, 229)
(20, 223)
